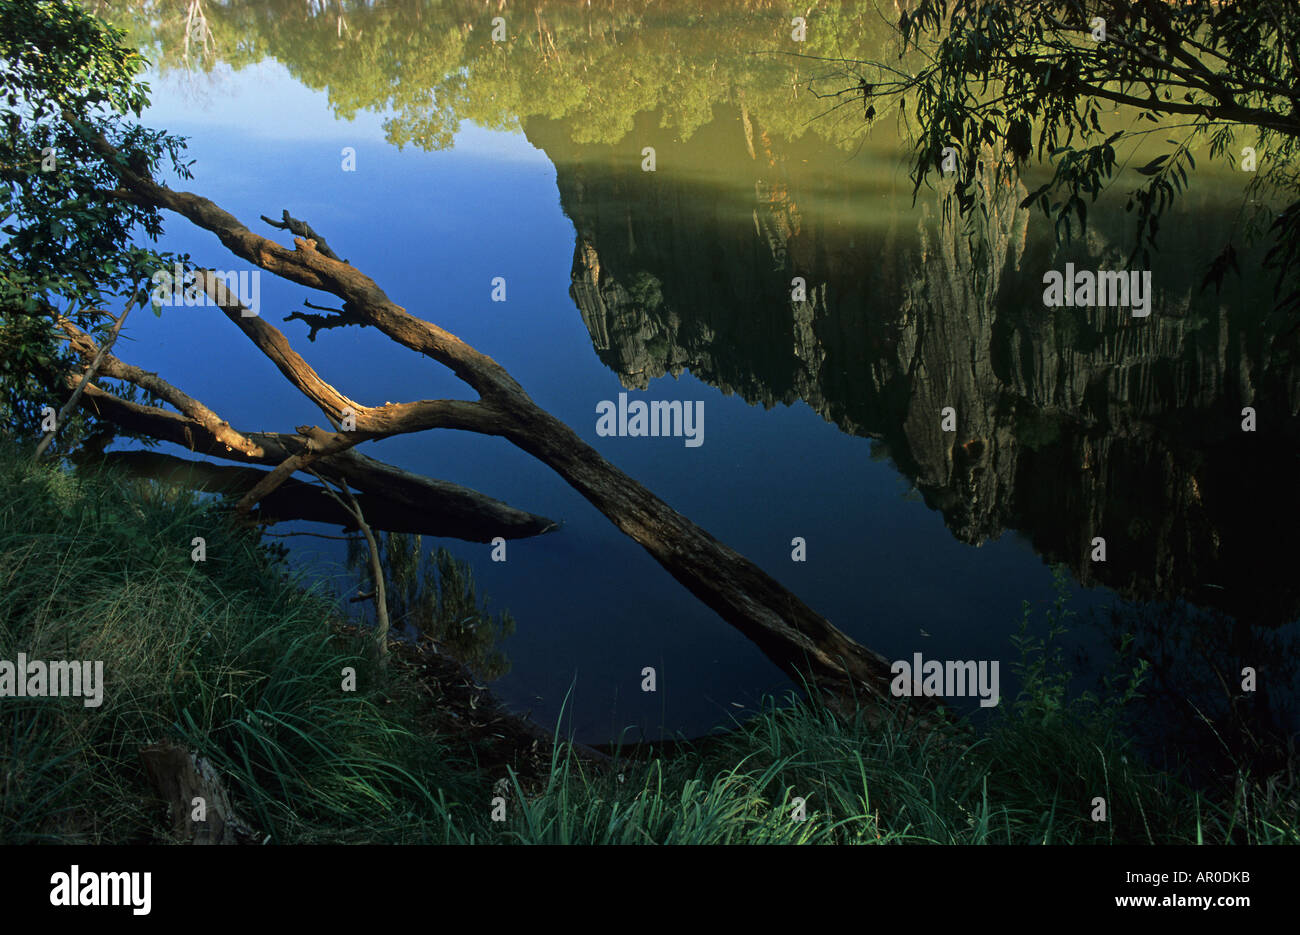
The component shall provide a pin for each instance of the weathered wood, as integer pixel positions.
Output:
(180, 778)
(303, 229)
(406, 502)
(195, 410)
(92, 371)
(800, 641)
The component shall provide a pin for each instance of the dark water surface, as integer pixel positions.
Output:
(821, 416)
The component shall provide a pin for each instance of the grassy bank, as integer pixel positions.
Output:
(241, 663)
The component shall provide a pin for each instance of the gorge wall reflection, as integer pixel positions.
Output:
(1072, 422)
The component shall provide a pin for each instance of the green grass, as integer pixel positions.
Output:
(1023, 782)
(230, 656)
(243, 663)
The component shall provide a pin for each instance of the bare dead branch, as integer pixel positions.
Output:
(406, 502)
(111, 366)
(371, 421)
(309, 267)
(295, 462)
(91, 372)
(303, 229)
(376, 569)
(338, 318)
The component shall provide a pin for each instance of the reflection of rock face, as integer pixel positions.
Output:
(1071, 422)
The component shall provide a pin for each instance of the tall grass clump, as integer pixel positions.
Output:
(230, 656)
(1032, 775)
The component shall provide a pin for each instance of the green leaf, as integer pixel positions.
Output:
(1152, 167)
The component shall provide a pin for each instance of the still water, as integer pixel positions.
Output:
(525, 160)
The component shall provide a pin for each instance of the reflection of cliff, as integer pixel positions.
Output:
(1072, 423)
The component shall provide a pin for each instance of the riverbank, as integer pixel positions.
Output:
(237, 661)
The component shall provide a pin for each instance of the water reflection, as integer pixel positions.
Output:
(1072, 423)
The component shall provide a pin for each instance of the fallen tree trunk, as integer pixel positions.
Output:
(410, 502)
(797, 639)
(468, 515)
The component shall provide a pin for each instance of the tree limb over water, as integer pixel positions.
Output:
(801, 642)
(304, 230)
(395, 499)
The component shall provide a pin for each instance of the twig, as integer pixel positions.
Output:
(296, 462)
(381, 601)
(91, 371)
(318, 535)
(303, 229)
(340, 319)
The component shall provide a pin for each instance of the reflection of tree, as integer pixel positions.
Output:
(433, 597)
(198, 34)
(435, 64)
